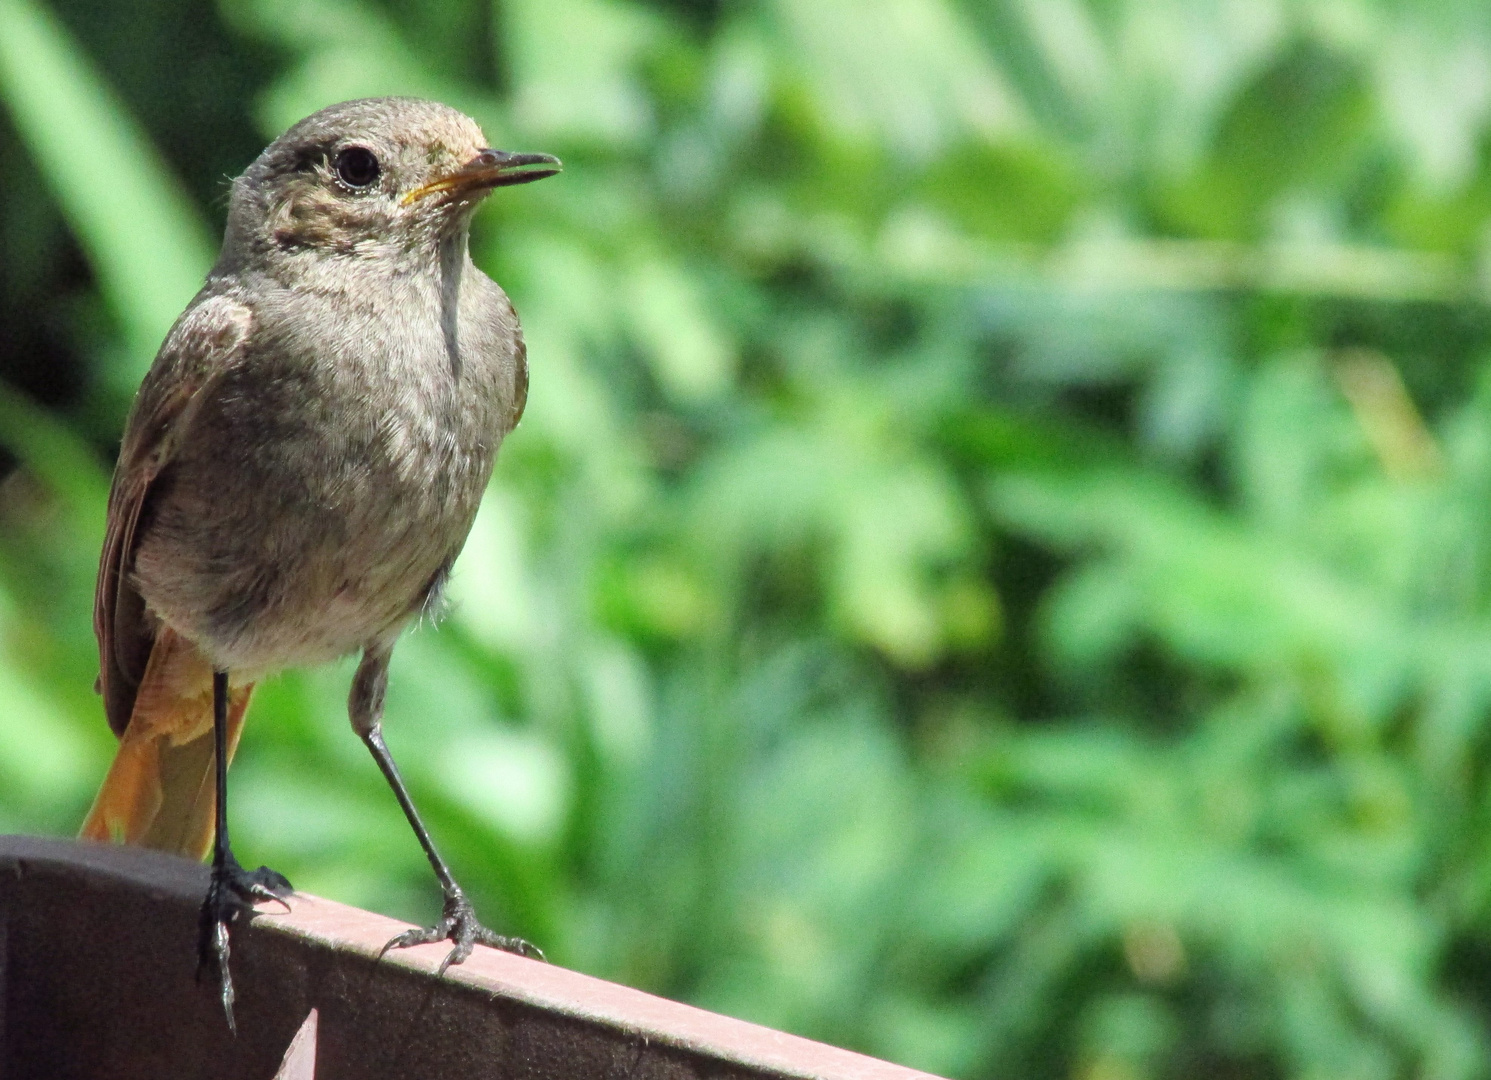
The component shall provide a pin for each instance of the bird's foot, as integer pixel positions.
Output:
(231, 895)
(458, 923)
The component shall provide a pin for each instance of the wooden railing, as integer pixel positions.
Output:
(97, 979)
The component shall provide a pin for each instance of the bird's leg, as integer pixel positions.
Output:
(458, 922)
(232, 891)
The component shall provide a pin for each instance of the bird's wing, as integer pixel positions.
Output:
(520, 377)
(208, 338)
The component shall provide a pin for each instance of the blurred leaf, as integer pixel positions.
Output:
(907, 70)
(347, 51)
(574, 63)
(56, 456)
(144, 238)
(1300, 125)
(1008, 192)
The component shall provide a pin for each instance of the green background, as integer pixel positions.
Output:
(996, 569)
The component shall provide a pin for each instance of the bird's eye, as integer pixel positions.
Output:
(356, 166)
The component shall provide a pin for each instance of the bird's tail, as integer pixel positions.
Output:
(160, 792)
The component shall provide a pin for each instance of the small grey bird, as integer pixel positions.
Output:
(300, 468)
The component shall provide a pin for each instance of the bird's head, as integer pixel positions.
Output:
(367, 177)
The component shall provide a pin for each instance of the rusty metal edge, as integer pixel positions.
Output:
(321, 923)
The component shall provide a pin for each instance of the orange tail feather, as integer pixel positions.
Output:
(160, 792)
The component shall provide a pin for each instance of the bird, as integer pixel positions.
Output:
(299, 470)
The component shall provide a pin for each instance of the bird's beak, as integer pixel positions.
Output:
(490, 169)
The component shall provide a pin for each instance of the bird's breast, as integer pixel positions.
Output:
(326, 486)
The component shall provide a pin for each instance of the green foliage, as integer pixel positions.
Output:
(147, 245)
(996, 570)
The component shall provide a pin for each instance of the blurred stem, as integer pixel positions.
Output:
(1388, 416)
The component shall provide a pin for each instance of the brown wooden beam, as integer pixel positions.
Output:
(97, 978)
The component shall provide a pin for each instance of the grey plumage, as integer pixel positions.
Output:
(351, 375)
(301, 467)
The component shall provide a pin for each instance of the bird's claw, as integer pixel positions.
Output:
(232, 893)
(458, 923)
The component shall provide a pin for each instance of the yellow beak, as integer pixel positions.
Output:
(490, 169)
